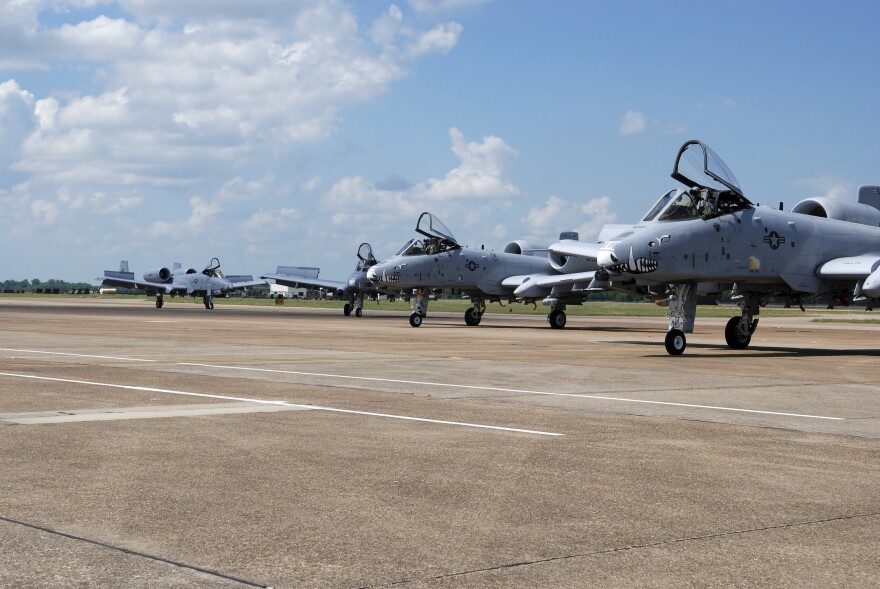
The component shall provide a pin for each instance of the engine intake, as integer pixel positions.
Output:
(524, 248)
(840, 210)
(160, 275)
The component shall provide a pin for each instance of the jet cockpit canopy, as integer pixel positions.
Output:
(438, 238)
(433, 228)
(712, 188)
(213, 269)
(366, 259)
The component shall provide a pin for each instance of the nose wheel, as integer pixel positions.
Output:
(209, 302)
(675, 342)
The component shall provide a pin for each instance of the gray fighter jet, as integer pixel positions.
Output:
(439, 262)
(712, 235)
(354, 289)
(208, 283)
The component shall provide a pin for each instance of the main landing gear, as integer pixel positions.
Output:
(739, 330)
(356, 304)
(208, 301)
(557, 318)
(681, 314)
(159, 301)
(474, 315)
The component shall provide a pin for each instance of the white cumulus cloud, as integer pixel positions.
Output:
(632, 123)
(546, 222)
(483, 171)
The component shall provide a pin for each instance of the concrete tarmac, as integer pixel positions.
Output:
(290, 447)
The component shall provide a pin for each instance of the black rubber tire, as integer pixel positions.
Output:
(415, 320)
(159, 303)
(733, 337)
(346, 310)
(471, 317)
(557, 319)
(358, 312)
(675, 342)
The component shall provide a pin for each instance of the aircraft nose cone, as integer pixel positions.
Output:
(372, 275)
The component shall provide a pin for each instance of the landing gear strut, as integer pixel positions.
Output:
(420, 308)
(355, 303)
(681, 314)
(739, 330)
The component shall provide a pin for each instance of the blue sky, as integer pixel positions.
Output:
(288, 132)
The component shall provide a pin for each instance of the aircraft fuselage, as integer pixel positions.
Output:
(754, 245)
(465, 268)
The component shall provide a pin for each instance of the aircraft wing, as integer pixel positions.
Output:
(126, 280)
(532, 286)
(297, 281)
(244, 281)
(865, 269)
(853, 267)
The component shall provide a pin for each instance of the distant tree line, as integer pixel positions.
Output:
(37, 285)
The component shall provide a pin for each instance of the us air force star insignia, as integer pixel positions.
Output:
(471, 265)
(774, 240)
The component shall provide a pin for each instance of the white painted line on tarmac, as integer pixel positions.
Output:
(462, 386)
(148, 412)
(76, 355)
(284, 404)
(519, 391)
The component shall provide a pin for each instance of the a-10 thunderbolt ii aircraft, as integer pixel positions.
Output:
(439, 262)
(712, 235)
(208, 283)
(354, 289)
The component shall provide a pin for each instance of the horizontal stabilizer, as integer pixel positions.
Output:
(301, 271)
(870, 195)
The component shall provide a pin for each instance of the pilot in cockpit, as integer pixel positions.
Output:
(706, 202)
(432, 246)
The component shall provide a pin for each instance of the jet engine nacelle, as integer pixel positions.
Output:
(841, 210)
(524, 248)
(567, 264)
(571, 264)
(160, 275)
